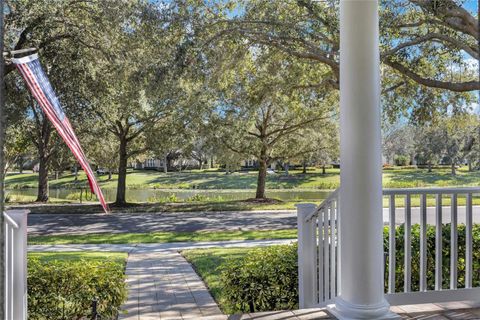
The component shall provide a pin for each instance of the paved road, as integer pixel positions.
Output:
(56, 224)
(49, 224)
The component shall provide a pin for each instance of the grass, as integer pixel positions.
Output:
(196, 179)
(237, 205)
(208, 262)
(162, 237)
(119, 257)
(215, 180)
(210, 179)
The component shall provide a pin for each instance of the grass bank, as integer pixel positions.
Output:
(163, 237)
(203, 206)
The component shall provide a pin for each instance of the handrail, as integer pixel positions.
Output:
(398, 191)
(10, 221)
(322, 206)
(448, 190)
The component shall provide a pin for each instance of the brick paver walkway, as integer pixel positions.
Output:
(165, 286)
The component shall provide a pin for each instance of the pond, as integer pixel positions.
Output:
(156, 195)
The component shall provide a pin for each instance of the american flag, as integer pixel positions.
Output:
(37, 81)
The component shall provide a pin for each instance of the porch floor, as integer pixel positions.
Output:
(465, 310)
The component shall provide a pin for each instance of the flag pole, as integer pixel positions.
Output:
(20, 51)
(2, 164)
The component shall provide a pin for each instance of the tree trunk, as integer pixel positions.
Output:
(211, 162)
(429, 167)
(109, 174)
(42, 195)
(122, 172)
(56, 175)
(454, 170)
(75, 168)
(287, 167)
(470, 167)
(304, 167)
(262, 174)
(165, 165)
(43, 155)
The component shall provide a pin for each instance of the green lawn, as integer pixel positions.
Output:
(216, 180)
(208, 262)
(161, 237)
(119, 257)
(196, 179)
(208, 179)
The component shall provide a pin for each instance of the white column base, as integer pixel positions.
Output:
(344, 310)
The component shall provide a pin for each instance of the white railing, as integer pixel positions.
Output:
(432, 210)
(318, 252)
(15, 264)
(319, 245)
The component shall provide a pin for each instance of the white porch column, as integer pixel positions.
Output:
(361, 286)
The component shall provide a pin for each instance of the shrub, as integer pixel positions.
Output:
(197, 197)
(401, 160)
(266, 279)
(327, 185)
(405, 184)
(415, 236)
(65, 290)
(75, 195)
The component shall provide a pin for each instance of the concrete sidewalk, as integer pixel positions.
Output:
(156, 247)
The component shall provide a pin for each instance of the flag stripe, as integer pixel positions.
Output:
(43, 92)
(76, 148)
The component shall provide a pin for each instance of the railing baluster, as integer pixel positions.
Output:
(333, 275)
(453, 243)
(408, 248)
(392, 245)
(326, 256)
(9, 268)
(339, 245)
(321, 266)
(317, 258)
(423, 242)
(438, 243)
(309, 263)
(468, 242)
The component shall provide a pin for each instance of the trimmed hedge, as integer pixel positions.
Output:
(267, 278)
(415, 232)
(65, 289)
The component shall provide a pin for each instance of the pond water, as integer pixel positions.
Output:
(156, 195)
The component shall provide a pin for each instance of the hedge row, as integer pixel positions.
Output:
(415, 231)
(267, 278)
(65, 289)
